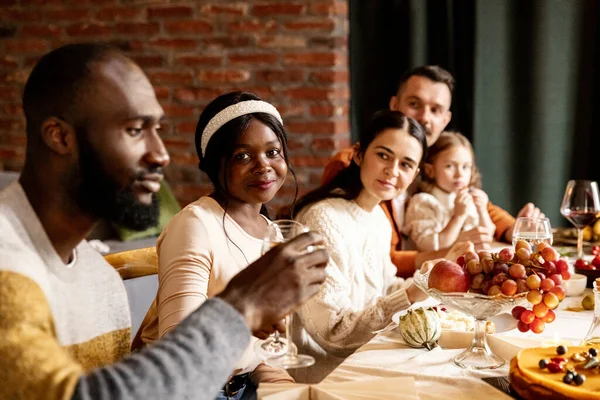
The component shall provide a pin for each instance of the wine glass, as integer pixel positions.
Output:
(581, 206)
(532, 230)
(277, 351)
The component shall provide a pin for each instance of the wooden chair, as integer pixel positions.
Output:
(139, 270)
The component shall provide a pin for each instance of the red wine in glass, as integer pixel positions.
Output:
(581, 206)
(581, 218)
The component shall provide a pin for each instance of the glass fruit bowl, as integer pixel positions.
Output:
(481, 307)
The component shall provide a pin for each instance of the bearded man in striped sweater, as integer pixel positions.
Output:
(94, 151)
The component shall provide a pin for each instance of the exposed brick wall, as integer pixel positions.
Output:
(291, 53)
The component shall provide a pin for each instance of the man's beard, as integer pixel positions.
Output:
(102, 196)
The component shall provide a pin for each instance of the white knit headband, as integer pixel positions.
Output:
(232, 112)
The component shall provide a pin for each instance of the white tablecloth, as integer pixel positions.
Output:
(387, 355)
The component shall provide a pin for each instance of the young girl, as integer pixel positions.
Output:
(361, 292)
(242, 147)
(451, 201)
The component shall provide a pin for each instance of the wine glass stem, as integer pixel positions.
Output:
(288, 335)
(479, 340)
(579, 243)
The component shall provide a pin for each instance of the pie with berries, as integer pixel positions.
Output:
(556, 373)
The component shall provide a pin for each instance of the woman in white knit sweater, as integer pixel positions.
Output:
(361, 292)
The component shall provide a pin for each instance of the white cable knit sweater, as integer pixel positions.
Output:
(361, 292)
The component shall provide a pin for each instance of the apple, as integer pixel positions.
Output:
(447, 276)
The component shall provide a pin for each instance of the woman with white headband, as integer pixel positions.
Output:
(242, 147)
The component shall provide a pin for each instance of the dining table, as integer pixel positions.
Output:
(386, 355)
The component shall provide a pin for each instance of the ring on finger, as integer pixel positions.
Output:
(312, 248)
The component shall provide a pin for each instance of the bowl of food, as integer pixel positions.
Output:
(588, 269)
(525, 282)
(480, 307)
(576, 285)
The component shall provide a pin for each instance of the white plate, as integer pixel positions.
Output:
(504, 322)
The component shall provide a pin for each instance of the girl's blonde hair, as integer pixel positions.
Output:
(447, 140)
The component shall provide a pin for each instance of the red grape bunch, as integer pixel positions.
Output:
(540, 273)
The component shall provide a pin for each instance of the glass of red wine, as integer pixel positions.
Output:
(581, 206)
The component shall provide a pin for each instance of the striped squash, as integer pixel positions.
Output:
(421, 327)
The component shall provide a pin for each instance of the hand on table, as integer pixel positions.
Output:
(483, 246)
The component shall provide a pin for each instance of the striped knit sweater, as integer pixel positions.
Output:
(61, 326)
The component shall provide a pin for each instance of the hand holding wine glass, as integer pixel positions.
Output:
(277, 351)
(581, 206)
(278, 282)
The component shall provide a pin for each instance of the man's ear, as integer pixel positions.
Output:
(448, 118)
(394, 103)
(428, 168)
(58, 135)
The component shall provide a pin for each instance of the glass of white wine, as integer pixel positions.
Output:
(532, 230)
(276, 350)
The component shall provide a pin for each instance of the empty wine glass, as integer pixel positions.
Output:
(581, 206)
(532, 230)
(277, 351)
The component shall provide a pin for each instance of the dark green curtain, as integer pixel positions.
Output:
(526, 75)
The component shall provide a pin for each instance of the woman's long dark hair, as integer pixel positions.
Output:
(347, 184)
(221, 145)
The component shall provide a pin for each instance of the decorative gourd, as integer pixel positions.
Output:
(421, 327)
